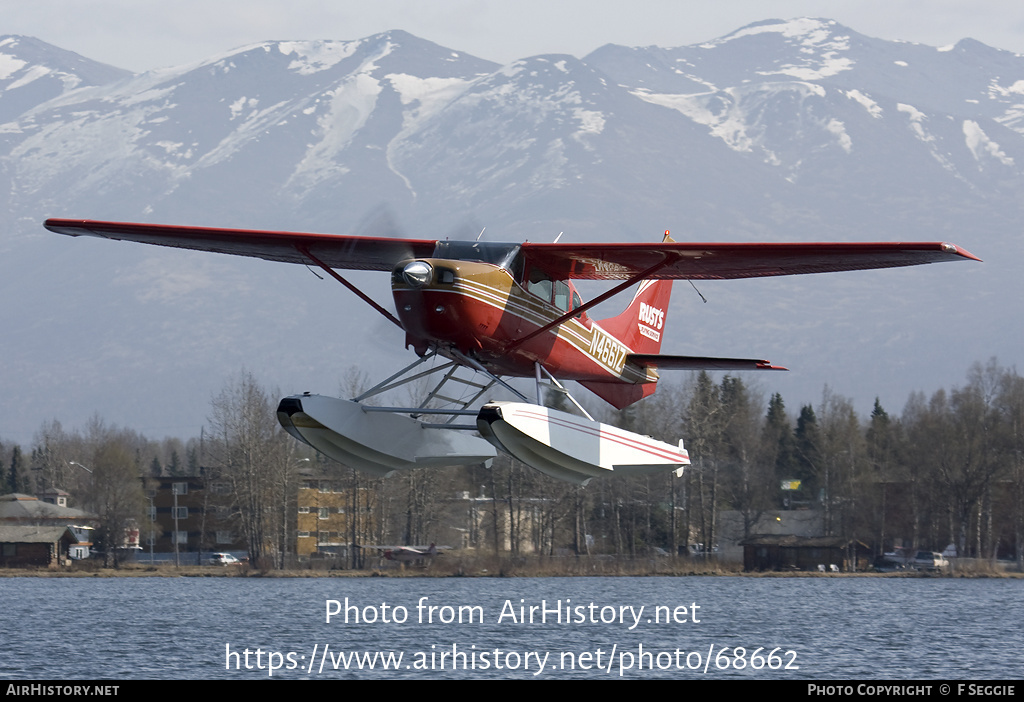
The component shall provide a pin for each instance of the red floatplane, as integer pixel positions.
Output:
(511, 310)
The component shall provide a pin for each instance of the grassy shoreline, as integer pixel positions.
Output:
(476, 567)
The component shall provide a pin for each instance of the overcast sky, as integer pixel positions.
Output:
(144, 34)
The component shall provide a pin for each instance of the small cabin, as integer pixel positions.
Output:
(811, 553)
(35, 546)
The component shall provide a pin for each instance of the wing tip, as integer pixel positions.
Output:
(958, 251)
(69, 227)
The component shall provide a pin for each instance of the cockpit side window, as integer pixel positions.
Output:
(539, 284)
(562, 295)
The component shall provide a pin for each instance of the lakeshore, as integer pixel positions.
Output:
(473, 567)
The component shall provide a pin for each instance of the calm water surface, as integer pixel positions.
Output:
(200, 628)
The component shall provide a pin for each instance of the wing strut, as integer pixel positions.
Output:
(363, 296)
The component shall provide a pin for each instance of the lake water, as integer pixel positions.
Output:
(717, 627)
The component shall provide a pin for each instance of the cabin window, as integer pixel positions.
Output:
(577, 303)
(539, 284)
(562, 295)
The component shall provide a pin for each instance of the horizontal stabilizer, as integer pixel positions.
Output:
(670, 362)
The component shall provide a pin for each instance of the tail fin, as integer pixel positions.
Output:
(641, 328)
(642, 324)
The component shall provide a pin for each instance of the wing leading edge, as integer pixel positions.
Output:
(350, 252)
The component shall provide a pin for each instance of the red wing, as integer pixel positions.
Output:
(724, 261)
(352, 252)
(587, 261)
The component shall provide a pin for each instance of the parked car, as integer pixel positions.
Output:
(223, 559)
(930, 560)
(889, 563)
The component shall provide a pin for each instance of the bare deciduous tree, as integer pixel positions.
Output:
(249, 450)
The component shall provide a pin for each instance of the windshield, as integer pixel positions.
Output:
(497, 254)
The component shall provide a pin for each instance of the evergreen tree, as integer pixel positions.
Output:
(174, 466)
(806, 445)
(881, 448)
(17, 480)
(777, 439)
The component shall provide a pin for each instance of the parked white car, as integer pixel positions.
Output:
(930, 560)
(223, 559)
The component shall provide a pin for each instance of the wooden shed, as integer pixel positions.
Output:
(40, 546)
(790, 552)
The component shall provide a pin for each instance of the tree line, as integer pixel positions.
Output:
(948, 469)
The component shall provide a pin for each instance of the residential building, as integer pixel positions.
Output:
(190, 516)
(332, 515)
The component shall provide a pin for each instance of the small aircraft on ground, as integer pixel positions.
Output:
(405, 554)
(511, 310)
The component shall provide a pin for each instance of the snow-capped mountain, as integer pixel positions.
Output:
(783, 130)
(32, 72)
(256, 133)
(827, 107)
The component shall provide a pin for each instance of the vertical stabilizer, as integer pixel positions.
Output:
(641, 327)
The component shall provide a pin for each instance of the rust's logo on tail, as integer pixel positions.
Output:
(641, 325)
(650, 318)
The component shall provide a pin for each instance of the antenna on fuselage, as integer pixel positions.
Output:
(558, 237)
(481, 233)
